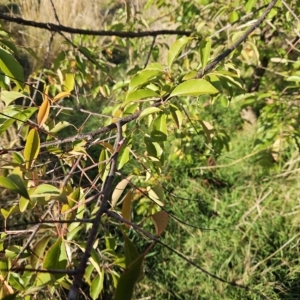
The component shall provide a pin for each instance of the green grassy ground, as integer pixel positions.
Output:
(255, 243)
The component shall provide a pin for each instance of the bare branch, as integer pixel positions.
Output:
(124, 34)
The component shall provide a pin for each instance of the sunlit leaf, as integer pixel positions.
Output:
(7, 213)
(38, 250)
(69, 83)
(61, 95)
(144, 77)
(233, 17)
(140, 95)
(156, 194)
(103, 166)
(176, 115)
(56, 257)
(59, 126)
(43, 279)
(23, 203)
(119, 189)
(43, 113)
(205, 48)
(194, 87)
(176, 49)
(11, 67)
(97, 285)
(148, 111)
(9, 96)
(123, 158)
(14, 183)
(160, 124)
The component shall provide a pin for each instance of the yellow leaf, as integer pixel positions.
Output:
(69, 82)
(61, 95)
(43, 113)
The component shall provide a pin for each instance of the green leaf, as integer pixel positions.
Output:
(131, 252)
(12, 68)
(23, 203)
(153, 147)
(46, 190)
(293, 78)
(7, 213)
(5, 265)
(205, 48)
(43, 279)
(24, 115)
(148, 111)
(38, 252)
(5, 123)
(14, 183)
(233, 17)
(123, 158)
(9, 96)
(160, 124)
(60, 57)
(190, 75)
(140, 95)
(249, 5)
(126, 207)
(194, 87)
(87, 53)
(176, 115)
(16, 282)
(103, 167)
(18, 158)
(156, 193)
(59, 126)
(176, 49)
(97, 285)
(128, 280)
(32, 147)
(56, 257)
(143, 78)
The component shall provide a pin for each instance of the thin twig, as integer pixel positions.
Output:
(150, 51)
(55, 13)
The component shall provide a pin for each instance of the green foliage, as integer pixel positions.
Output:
(110, 135)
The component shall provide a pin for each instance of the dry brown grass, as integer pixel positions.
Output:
(90, 14)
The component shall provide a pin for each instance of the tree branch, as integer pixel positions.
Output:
(124, 34)
(105, 197)
(242, 39)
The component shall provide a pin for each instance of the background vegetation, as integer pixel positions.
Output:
(207, 171)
